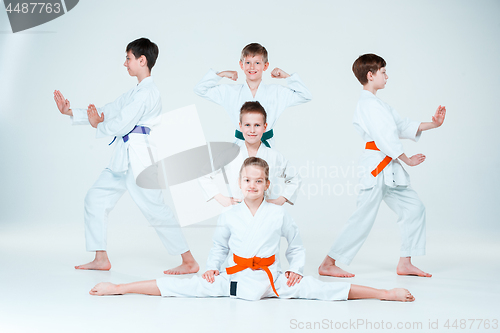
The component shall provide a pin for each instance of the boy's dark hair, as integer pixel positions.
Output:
(367, 63)
(254, 49)
(145, 47)
(253, 107)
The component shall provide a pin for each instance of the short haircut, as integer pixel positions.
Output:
(253, 107)
(254, 49)
(145, 47)
(367, 63)
(258, 162)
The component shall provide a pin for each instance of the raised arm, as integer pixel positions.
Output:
(62, 103)
(278, 73)
(209, 88)
(296, 93)
(437, 120)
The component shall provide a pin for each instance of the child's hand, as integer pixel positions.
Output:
(233, 75)
(292, 278)
(416, 159)
(279, 74)
(280, 201)
(62, 104)
(94, 117)
(438, 117)
(226, 201)
(210, 275)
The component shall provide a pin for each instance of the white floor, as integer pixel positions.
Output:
(40, 291)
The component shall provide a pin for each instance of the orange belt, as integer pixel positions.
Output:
(253, 263)
(371, 145)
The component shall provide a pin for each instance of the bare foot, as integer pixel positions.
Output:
(329, 268)
(101, 262)
(104, 288)
(399, 294)
(405, 267)
(184, 268)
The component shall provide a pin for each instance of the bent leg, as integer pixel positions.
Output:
(411, 221)
(161, 218)
(405, 202)
(99, 201)
(359, 225)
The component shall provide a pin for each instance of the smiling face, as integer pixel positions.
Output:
(253, 182)
(253, 67)
(252, 126)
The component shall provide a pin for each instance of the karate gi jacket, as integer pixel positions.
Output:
(376, 121)
(274, 98)
(248, 236)
(285, 180)
(139, 106)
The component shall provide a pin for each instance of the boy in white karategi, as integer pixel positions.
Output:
(274, 98)
(250, 234)
(129, 119)
(285, 181)
(384, 177)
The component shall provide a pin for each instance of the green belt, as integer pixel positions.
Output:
(266, 136)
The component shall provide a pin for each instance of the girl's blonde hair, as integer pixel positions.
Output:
(256, 161)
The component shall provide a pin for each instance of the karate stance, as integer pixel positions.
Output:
(129, 119)
(285, 181)
(384, 178)
(274, 98)
(251, 233)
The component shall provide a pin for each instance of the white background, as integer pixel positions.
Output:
(437, 53)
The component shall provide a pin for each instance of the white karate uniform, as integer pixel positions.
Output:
(139, 106)
(245, 235)
(377, 121)
(274, 98)
(285, 180)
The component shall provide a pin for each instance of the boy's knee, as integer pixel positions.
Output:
(89, 198)
(418, 210)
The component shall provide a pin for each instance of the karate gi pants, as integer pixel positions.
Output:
(102, 198)
(403, 201)
(307, 288)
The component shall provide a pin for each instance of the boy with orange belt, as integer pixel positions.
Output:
(384, 178)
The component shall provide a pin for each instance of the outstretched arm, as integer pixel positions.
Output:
(62, 103)
(437, 120)
(94, 117)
